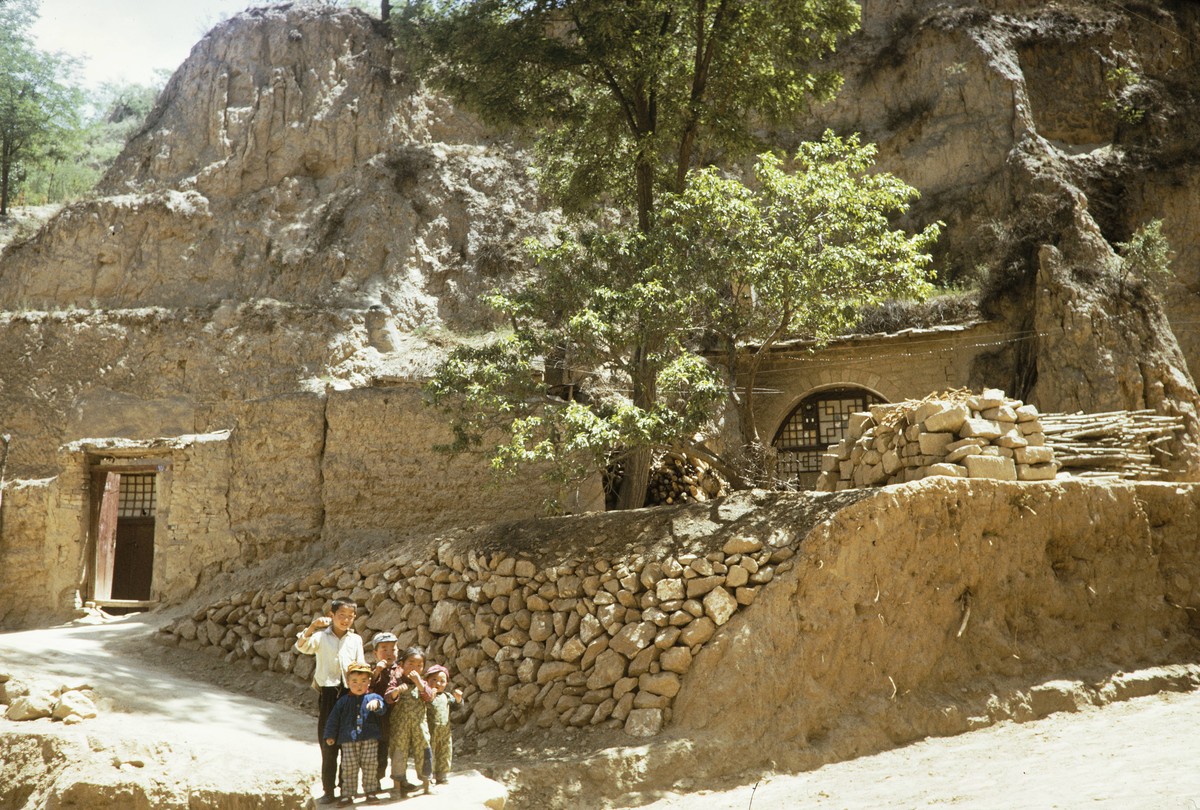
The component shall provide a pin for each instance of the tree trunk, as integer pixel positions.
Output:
(385, 10)
(4, 170)
(632, 494)
(644, 173)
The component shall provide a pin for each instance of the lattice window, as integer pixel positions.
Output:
(137, 496)
(817, 422)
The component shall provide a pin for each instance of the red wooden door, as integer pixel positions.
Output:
(106, 536)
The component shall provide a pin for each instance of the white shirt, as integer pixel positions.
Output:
(333, 654)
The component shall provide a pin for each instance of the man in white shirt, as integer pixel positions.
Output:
(335, 644)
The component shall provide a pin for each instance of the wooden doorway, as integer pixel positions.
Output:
(125, 505)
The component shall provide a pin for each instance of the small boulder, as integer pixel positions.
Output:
(31, 707)
(644, 722)
(719, 605)
(73, 703)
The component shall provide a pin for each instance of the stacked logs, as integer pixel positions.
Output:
(1113, 445)
(955, 433)
(602, 642)
(676, 478)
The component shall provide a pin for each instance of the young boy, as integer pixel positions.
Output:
(438, 714)
(384, 646)
(336, 646)
(354, 726)
(408, 735)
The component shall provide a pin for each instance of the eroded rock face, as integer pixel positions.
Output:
(291, 157)
(932, 608)
(1042, 135)
(294, 162)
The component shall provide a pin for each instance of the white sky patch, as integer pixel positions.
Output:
(129, 40)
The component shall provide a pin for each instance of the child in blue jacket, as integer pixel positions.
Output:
(354, 725)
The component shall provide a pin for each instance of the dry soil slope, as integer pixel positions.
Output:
(927, 609)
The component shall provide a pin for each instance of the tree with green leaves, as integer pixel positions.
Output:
(38, 107)
(738, 267)
(801, 251)
(611, 333)
(626, 101)
(82, 156)
(626, 98)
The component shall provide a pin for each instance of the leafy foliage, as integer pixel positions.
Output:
(1124, 89)
(85, 153)
(38, 107)
(625, 100)
(802, 252)
(627, 97)
(1146, 257)
(609, 330)
(626, 312)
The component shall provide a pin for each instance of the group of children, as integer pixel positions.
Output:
(396, 708)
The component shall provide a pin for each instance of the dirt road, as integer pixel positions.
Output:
(167, 734)
(1142, 753)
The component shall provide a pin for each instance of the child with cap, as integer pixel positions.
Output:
(438, 715)
(384, 647)
(354, 725)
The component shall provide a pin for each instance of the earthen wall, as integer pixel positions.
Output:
(908, 365)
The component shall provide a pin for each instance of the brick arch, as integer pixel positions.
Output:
(813, 422)
(876, 383)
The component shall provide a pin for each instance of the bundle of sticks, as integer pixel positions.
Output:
(1117, 444)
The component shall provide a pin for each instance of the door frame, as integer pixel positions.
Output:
(104, 488)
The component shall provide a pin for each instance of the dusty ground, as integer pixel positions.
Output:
(180, 726)
(186, 729)
(1136, 754)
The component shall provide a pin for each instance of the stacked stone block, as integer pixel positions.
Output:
(985, 435)
(603, 642)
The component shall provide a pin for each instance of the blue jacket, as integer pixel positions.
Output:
(351, 721)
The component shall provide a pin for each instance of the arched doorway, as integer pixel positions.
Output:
(817, 422)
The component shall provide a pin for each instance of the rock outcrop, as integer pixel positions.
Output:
(291, 157)
(1043, 135)
(294, 167)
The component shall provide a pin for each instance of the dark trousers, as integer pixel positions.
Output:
(329, 753)
(383, 753)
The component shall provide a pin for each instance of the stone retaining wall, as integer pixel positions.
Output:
(532, 631)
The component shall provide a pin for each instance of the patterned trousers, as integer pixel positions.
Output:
(409, 741)
(443, 749)
(360, 756)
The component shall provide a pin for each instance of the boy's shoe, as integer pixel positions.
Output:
(441, 778)
(326, 799)
(345, 801)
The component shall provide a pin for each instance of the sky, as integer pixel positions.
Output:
(127, 40)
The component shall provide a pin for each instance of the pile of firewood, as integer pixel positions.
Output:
(676, 478)
(1116, 445)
